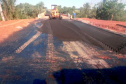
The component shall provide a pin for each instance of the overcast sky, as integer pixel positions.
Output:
(68, 3)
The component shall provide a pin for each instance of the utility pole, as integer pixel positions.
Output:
(1, 12)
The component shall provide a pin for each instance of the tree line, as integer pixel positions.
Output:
(21, 11)
(106, 10)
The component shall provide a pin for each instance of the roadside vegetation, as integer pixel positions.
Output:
(106, 10)
(21, 11)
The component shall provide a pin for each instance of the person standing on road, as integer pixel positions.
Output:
(74, 14)
(68, 15)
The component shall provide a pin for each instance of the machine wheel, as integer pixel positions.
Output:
(50, 17)
(60, 17)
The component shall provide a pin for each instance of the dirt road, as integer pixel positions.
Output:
(77, 31)
(62, 52)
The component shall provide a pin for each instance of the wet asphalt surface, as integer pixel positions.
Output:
(62, 52)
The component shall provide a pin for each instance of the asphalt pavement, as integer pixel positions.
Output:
(63, 52)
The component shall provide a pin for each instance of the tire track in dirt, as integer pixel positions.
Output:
(50, 56)
(83, 55)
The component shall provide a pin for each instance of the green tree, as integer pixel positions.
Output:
(8, 8)
(27, 10)
(40, 7)
(24, 10)
(21, 11)
(85, 11)
(60, 9)
(66, 10)
(111, 10)
(92, 12)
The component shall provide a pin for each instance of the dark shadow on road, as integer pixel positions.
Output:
(116, 75)
(8, 45)
(38, 81)
(32, 63)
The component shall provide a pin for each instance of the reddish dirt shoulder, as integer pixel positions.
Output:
(7, 28)
(115, 26)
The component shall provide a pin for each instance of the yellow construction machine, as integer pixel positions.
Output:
(54, 13)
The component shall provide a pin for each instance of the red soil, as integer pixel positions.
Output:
(116, 26)
(7, 28)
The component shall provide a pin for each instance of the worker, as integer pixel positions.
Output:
(74, 14)
(68, 16)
